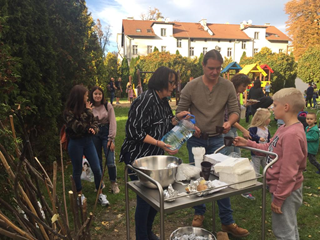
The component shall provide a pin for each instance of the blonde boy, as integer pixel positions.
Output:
(285, 177)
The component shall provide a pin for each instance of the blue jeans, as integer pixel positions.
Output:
(232, 133)
(77, 148)
(111, 97)
(211, 144)
(145, 214)
(100, 141)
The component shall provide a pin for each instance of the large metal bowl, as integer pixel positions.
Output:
(178, 233)
(156, 168)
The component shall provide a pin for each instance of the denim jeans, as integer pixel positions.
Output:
(210, 145)
(77, 148)
(232, 133)
(111, 97)
(100, 141)
(145, 214)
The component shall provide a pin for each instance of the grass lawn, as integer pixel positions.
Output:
(110, 222)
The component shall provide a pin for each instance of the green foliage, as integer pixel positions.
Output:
(244, 55)
(46, 48)
(155, 49)
(111, 63)
(283, 65)
(308, 67)
(226, 61)
(177, 52)
(124, 72)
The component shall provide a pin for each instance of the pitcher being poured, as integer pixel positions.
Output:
(180, 133)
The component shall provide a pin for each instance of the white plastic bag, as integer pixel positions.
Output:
(186, 172)
(87, 173)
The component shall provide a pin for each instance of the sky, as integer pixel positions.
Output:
(232, 11)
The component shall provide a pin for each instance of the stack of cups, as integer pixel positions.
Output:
(198, 154)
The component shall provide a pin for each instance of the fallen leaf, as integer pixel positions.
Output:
(97, 228)
(54, 218)
(104, 223)
(116, 230)
(309, 236)
(119, 216)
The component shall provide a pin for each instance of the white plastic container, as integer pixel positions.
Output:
(180, 133)
(235, 170)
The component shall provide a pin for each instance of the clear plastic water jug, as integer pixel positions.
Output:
(180, 133)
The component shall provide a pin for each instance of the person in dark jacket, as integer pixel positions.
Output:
(309, 93)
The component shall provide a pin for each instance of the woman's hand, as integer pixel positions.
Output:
(91, 130)
(240, 142)
(182, 115)
(89, 105)
(112, 146)
(166, 147)
(262, 139)
(275, 208)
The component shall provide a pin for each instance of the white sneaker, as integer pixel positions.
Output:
(103, 200)
(114, 188)
(83, 199)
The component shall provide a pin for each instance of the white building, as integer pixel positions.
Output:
(139, 37)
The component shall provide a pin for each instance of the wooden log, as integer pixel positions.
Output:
(14, 136)
(54, 190)
(63, 186)
(11, 235)
(15, 228)
(75, 205)
(84, 226)
(73, 210)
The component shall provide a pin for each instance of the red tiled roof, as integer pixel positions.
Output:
(276, 35)
(130, 27)
(266, 67)
(195, 30)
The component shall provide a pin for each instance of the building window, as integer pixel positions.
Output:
(205, 50)
(243, 45)
(163, 32)
(179, 43)
(138, 30)
(229, 52)
(149, 49)
(163, 48)
(149, 31)
(280, 50)
(256, 35)
(191, 51)
(135, 49)
(255, 50)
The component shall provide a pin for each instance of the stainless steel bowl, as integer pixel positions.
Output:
(189, 230)
(156, 168)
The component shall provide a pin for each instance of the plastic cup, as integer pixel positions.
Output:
(228, 141)
(205, 170)
(219, 129)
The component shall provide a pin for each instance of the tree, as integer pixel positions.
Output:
(303, 24)
(103, 35)
(155, 49)
(243, 56)
(226, 61)
(124, 72)
(111, 68)
(152, 14)
(177, 52)
(308, 70)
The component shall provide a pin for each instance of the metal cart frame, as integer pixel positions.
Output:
(155, 197)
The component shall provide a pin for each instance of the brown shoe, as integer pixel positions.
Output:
(235, 230)
(197, 220)
(222, 236)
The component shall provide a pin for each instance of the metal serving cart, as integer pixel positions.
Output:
(155, 197)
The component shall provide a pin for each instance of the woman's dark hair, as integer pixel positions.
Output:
(160, 78)
(75, 102)
(103, 101)
(257, 84)
(213, 54)
(240, 79)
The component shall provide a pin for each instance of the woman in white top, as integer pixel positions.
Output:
(107, 133)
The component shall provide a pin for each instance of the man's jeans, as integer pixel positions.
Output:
(210, 145)
(77, 148)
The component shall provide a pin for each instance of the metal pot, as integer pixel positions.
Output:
(178, 233)
(156, 168)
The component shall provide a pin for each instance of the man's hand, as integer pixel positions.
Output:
(240, 142)
(226, 126)
(275, 208)
(197, 132)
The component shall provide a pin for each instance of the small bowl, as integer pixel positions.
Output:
(228, 141)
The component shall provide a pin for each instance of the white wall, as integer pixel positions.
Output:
(171, 44)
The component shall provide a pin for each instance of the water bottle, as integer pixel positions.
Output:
(180, 133)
